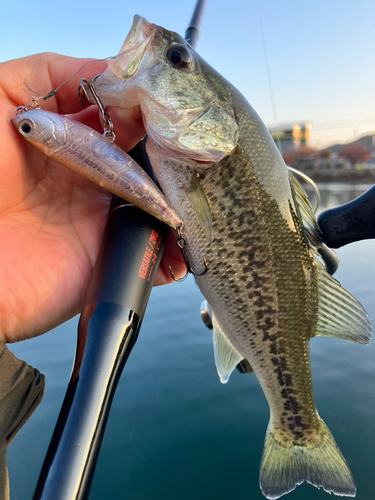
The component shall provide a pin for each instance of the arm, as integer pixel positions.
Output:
(21, 391)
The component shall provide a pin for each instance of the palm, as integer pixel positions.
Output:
(51, 220)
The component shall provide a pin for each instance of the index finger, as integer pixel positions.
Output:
(45, 72)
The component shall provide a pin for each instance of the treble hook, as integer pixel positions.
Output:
(106, 117)
(181, 243)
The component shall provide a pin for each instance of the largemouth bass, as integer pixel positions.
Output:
(91, 155)
(250, 218)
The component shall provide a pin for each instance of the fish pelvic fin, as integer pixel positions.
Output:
(226, 356)
(284, 467)
(339, 313)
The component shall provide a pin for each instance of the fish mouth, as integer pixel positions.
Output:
(126, 63)
(110, 85)
(123, 85)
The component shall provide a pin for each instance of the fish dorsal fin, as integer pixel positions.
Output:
(226, 356)
(200, 206)
(311, 227)
(339, 313)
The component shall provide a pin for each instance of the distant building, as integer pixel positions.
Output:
(290, 136)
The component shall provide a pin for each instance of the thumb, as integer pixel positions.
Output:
(127, 126)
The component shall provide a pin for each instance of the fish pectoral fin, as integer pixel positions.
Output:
(226, 356)
(286, 465)
(200, 206)
(339, 313)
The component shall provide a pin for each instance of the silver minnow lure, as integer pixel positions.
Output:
(89, 154)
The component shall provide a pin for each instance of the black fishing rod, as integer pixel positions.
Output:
(130, 253)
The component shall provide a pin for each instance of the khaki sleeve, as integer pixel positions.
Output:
(21, 390)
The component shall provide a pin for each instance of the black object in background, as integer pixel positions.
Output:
(351, 222)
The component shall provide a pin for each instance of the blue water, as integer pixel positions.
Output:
(174, 431)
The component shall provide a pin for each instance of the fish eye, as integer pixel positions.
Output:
(180, 56)
(26, 127)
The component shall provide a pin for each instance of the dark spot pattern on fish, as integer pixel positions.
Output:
(292, 405)
(252, 274)
(285, 393)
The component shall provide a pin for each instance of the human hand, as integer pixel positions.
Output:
(51, 219)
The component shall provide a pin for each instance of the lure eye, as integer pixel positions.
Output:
(26, 127)
(180, 57)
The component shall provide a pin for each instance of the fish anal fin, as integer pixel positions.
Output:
(226, 356)
(283, 468)
(339, 313)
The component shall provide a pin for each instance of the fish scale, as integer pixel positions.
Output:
(257, 300)
(246, 279)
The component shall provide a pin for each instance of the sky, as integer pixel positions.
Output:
(319, 56)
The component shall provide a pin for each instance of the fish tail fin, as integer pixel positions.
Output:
(283, 468)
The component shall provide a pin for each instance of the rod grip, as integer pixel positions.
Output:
(351, 222)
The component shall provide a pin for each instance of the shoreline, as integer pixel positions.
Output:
(364, 176)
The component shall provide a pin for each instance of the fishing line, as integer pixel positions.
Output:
(34, 101)
(273, 104)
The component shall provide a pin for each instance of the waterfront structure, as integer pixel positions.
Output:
(291, 135)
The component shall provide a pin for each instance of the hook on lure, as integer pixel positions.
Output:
(85, 86)
(181, 243)
(89, 92)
